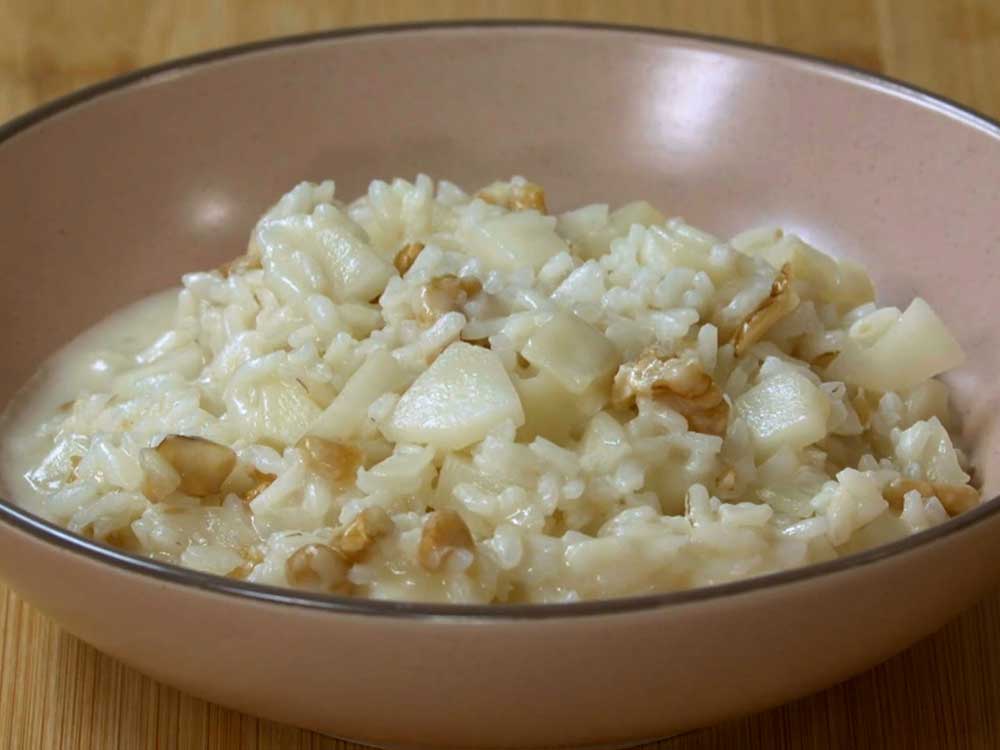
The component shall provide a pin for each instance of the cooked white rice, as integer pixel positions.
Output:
(539, 409)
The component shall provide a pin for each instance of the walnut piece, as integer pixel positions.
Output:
(444, 294)
(443, 533)
(823, 360)
(956, 498)
(406, 256)
(515, 197)
(678, 382)
(318, 567)
(261, 481)
(251, 557)
(361, 534)
(201, 464)
(779, 303)
(334, 461)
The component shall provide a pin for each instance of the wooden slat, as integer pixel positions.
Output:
(56, 692)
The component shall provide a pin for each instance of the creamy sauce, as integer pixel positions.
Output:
(86, 365)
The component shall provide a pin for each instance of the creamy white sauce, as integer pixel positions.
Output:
(86, 365)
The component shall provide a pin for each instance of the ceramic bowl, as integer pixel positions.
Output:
(112, 193)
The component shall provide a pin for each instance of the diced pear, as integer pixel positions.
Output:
(784, 409)
(572, 352)
(636, 212)
(592, 228)
(929, 399)
(274, 412)
(457, 400)
(515, 240)
(378, 375)
(604, 443)
(587, 228)
(916, 348)
(752, 241)
(843, 282)
(552, 411)
(928, 445)
(854, 286)
(807, 263)
(460, 469)
(356, 273)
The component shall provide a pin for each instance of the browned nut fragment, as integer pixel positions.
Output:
(779, 303)
(123, 538)
(528, 196)
(318, 567)
(711, 421)
(956, 498)
(679, 383)
(251, 556)
(201, 464)
(471, 286)
(405, 257)
(652, 373)
(444, 294)
(336, 462)
(361, 533)
(485, 343)
(521, 197)
(823, 360)
(240, 264)
(443, 533)
(262, 481)
(240, 572)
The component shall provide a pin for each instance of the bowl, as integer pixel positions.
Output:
(112, 193)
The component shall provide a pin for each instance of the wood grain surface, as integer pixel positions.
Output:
(56, 692)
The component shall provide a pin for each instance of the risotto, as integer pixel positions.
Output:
(430, 395)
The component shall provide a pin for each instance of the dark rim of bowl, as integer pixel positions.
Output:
(42, 530)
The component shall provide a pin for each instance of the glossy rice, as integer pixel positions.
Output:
(430, 395)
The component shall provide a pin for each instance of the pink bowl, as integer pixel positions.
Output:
(112, 193)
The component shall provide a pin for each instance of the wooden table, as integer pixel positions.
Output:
(56, 692)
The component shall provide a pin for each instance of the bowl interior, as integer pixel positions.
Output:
(113, 198)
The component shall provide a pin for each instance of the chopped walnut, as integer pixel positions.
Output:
(201, 464)
(444, 294)
(361, 533)
(123, 538)
(956, 498)
(443, 533)
(824, 360)
(337, 462)
(485, 343)
(240, 264)
(251, 557)
(679, 383)
(781, 301)
(406, 256)
(261, 481)
(318, 567)
(519, 197)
